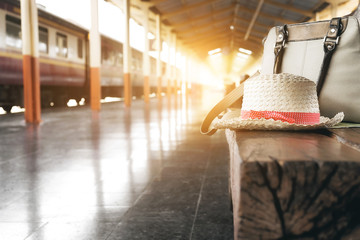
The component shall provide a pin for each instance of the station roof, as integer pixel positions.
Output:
(203, 25)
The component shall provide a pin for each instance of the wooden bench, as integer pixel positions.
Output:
(295, 185)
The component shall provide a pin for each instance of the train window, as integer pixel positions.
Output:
(104, 54)
(108, 56)
(133, 64)
(61, 45)
(140, 66)
(152, 66)
(136, 63)
(43, 40)
(119, 59)
(112, 58)
(80, 48)
(13, 32)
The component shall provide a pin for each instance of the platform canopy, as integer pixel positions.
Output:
(204, 25)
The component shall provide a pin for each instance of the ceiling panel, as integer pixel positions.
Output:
(197, 22)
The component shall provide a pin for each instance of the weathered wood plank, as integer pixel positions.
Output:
(293, 185)
(292, 146)
(348, 136)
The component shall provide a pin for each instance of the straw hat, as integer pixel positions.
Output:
(278, 102)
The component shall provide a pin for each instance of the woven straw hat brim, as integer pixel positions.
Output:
(232, 120)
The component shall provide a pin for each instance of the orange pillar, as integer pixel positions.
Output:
(95, 89)
(127, 56)
(159, 87)
(30, 51)
(146, 58)
(95, 53)
(158, 61)
(127, 89)
(146, 89)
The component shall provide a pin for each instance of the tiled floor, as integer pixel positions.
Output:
(143, 172)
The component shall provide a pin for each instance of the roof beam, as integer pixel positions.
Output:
(238, 31)
(210, 15)
(186, 8)
(215, 43)
(215, 33)
(204, 37)
(248, 45)
(254, 31)
(251, 45)
(212, 31)
(202, 41)
(205, 41)
(290, 8)
(256, 14)
(256, 23)
(197, 28)
(252, 38)
(279, 19)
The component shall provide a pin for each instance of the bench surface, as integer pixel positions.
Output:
(295, 185)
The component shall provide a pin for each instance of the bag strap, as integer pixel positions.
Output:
(331, 40)
(281, 39)
(221, 106)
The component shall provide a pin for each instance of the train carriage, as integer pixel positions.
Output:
(64, 61)
(62, 58)
(112, 80)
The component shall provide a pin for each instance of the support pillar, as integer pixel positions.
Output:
(146, 58)
(158, 61)
(95, 53)
(30, 51)
(182, 71)
(168, 65)
(174, 72)
(127, 55)
(187, 78)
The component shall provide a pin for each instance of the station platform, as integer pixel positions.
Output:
(143, 172)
